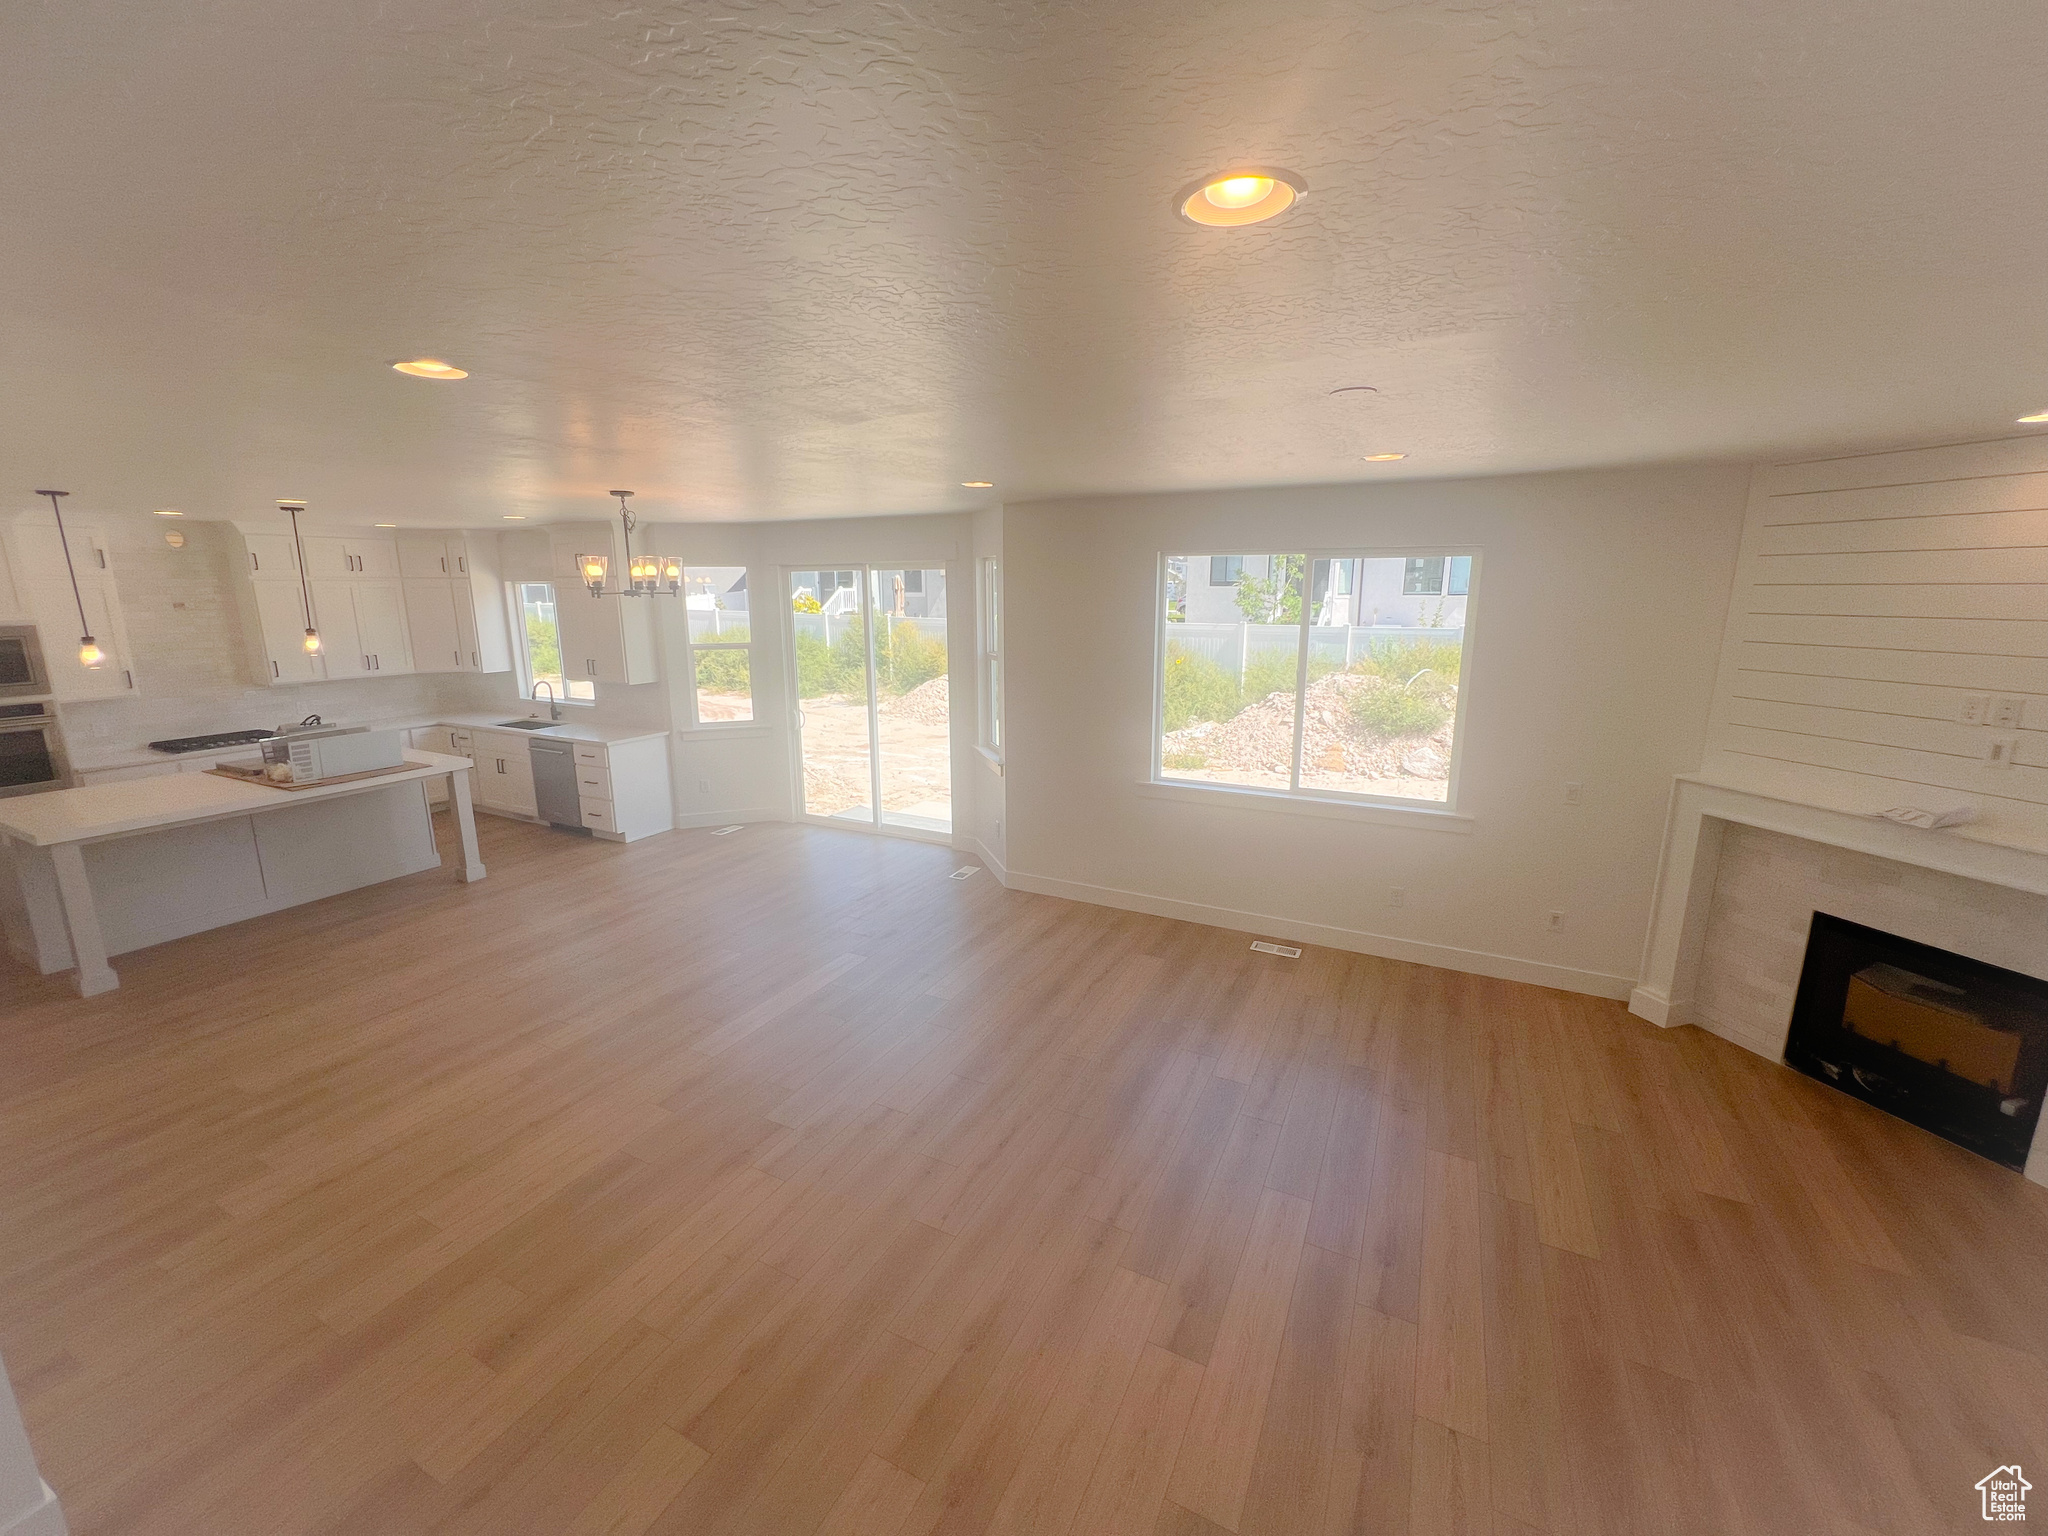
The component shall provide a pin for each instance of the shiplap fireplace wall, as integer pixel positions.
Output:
(1874, 596)
(1885, 605)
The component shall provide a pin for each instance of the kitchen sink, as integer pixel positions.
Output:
(529, 725)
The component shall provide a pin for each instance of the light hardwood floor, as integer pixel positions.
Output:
(779, 1184)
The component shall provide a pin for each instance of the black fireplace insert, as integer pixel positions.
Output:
(1955, 1046)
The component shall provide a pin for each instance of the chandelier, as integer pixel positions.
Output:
(647, 575)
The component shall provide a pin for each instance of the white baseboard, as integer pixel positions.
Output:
(728, 818)
(1479, 962)
(1650, 1003)
(990, 862)
(45, 1519)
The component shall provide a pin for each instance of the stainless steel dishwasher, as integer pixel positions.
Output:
(554, 783)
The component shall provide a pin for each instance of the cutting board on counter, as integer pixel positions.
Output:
(256, 776)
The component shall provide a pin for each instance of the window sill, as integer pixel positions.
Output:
(993, 759)
(1232, 797)
(726, 728)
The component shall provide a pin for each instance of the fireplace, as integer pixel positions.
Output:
(1955, 1046)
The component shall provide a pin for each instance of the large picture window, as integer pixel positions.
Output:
(721, 643)
(1331, 676)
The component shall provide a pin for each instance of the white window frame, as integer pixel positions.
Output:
(990, 741)
(1295, 798)
(516, 608)
(691, 647)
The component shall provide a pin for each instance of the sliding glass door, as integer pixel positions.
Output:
(873, 717)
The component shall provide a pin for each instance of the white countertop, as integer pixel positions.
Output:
(570, 729)
(99, 811)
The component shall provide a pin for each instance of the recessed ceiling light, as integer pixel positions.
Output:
(515, 517)
(1354, 389)
(979, 485)
(1383, 458)
(386, 525)
(1233, 198)
(2037, 416)
(431, 368)
(168, 512)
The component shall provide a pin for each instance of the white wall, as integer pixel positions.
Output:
(1591, 652)
(1876, 594)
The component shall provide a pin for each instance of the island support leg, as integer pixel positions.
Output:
(465, 822)
(82, 918)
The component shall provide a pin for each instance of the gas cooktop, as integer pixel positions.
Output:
(209, 743)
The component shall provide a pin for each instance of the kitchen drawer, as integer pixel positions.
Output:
(590, 752)
(597, 815)
(593, 782)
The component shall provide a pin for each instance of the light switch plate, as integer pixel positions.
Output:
(1999, 751)
(2007, 711)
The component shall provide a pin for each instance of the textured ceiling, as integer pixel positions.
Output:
(786, 260)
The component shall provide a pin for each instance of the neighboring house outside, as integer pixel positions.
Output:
(914, 594)
(1428, 592)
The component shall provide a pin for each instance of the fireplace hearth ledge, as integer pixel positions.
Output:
(1700, 807)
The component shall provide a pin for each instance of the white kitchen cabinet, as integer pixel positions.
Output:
(622, 788)
(430, 613)
(504, 772)
(430, 556)
(604, 639)
(271, 557)
(351, 557)
(380, 621)
(43, 586)
(341, 643)
(281, 618)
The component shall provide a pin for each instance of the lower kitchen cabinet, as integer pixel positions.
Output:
(504, 772)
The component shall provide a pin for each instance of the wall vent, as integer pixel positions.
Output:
(962, 873)
(725, 831)
(1288, 950)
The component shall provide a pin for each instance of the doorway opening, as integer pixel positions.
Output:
(874, 724)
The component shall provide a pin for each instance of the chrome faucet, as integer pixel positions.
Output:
(554, 708)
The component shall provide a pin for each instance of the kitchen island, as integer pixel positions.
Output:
(108, 868)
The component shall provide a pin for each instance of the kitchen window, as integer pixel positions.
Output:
(540, 645)
(721, 644)
(1313, 678)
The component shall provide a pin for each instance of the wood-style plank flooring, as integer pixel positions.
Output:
(778, 1184)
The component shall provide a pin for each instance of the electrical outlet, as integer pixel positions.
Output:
(999, 829)
(1976, 708)
(2007, 711)
(1556, 919)
(1573, 791)
(703, 786)
(1999, 751)
(1397, 897)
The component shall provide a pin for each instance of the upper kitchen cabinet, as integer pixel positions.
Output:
(455, 602)
(604, 639)
(42, 582)
(358, 557)
(373, 622)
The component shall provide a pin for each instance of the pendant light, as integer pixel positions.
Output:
(292, 509)
(90, 656)
(647, 575)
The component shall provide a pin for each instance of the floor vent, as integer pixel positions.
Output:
(1287, 950)
(962, 874)
(726, 831)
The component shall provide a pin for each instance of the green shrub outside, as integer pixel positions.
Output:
(1197, 689)
(1397, 711)
(543, 647)
(904, 658)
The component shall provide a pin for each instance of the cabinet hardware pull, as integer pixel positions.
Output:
(273, 669)
(254, 563)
